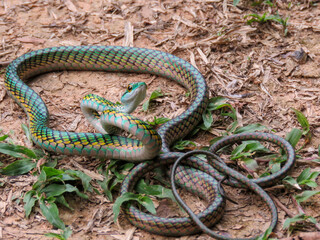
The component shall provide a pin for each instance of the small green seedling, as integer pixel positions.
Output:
(154, 95)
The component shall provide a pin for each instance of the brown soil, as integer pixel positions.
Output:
(254, 66)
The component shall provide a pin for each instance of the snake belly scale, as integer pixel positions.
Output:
(105, 58)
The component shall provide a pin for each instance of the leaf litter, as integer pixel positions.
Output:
(263, 73)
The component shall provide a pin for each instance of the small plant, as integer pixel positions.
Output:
(290, 223)
(284, 23)
(305, 195)
(256, 3)
(143, 189)
(158, 121)
(113, 175)
(301, 217)
(50, 188)
(218, 103)
(27, 157)
(259, 18)
(305, 178)
(51, 185)
(184, 145)
(154, 95)
(268, 18)
(266, 235)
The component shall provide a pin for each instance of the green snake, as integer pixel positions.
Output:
(148, 145)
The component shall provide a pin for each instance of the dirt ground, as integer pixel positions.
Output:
(255, 66)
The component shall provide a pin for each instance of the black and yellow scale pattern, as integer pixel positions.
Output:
(105, 58)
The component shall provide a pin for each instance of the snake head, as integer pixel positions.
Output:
(133, 96)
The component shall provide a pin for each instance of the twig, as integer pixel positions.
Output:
(280, 205)
(5, 63)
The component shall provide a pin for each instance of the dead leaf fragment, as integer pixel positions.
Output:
(71, 6)
(32, 40)
(73, 126)
(128, 34)
(2, 93)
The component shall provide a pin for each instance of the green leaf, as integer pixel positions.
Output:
(155, 94)
(4, 137)
(26, 132)
(265, 236)
(297, 218)
(15, 150)
(70, 188)
(29, 202)
(41, 180)
(302, 120)
(314, 175)
(207, 119)
(235, 2)
(128, 196)
(216, 103)
(154, 190)
(183, 144)
(67, 232)
(54, 190)
(85, 179)
(51, 213)
(233, 126)
(158, 121)
(275, 167)
(309, 183)
(291, 181)
(60, 199)
(18, 167)
(312, 220)
(303, 175)
(144, 188)
(55, 235)
(305, 195)
(64, 236)
(307, 178)
(50, 172)
(52, 163)
(247, 148)
(148, 204)
(294, 136)
(251, 164)
(251, 128)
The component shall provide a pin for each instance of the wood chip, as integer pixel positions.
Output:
(128, 35)
(129, 233)
(32, 40)
(70, 5)
(74, 125)
(3, 93)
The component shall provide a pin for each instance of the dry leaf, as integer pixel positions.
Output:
(128, 34)
(31, 40)
(2, 93)
(71, 6)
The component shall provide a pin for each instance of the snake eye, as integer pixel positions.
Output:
(129, 88)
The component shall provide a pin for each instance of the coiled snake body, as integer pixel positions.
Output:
(139, 60)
